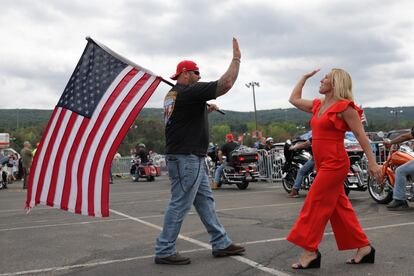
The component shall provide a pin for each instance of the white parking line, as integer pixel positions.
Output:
(68, 267)
(189, 213)
(203, 245)
(207, 246)
(331, 233)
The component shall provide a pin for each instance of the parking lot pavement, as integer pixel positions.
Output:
(49, 241)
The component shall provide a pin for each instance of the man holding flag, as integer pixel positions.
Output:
(186, 131)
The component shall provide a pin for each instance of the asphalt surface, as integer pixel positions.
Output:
(49, 241)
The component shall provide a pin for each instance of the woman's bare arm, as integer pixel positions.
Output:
(296, 96)
(350, 116)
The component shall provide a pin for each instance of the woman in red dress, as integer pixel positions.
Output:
(326, 201)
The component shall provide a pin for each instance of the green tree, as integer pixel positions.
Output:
(218, 133)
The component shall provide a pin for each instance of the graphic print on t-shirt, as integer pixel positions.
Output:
(169, 103)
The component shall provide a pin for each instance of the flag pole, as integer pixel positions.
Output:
(88, 38)
(169, 83)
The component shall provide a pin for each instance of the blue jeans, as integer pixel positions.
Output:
(189, 185)
(218, 172)
(307, 168)
(401, 174)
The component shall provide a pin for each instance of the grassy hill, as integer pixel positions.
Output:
(380, 118)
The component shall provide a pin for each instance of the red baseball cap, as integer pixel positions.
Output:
(229, 136)
(185, 65)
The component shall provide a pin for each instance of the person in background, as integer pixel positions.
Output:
(399, 197)
(307, 167)
(10, 164)
(141, 152)
(15, 168)
(225, 150)
(261, 143)
(35, 149)
(27, 157)
(269, 144)
(115, 164)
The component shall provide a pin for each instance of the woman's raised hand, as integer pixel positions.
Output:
(312, 73)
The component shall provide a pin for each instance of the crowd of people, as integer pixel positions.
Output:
(16, 166)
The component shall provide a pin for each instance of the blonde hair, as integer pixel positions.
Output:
(342, 85)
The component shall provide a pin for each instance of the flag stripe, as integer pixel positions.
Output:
(94, 199)
(63, 189)
(70, 187)
(76, 195)
(113, 130)
(109, 108)
(65, 115)
(32, 188)
(68, 125)
(44, 179)
(118, 139)
(46, 155)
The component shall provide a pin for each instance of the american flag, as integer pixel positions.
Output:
(71, 168)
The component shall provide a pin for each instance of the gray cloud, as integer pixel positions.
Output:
(279, 42)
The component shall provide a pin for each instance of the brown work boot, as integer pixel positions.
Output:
(175, 259)
(294, 193)
(214, 185)
(230, 250)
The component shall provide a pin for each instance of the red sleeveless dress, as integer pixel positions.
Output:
(326, 200)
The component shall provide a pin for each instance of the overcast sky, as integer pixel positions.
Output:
(42, 41)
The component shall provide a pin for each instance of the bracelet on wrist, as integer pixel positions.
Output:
(236, 59)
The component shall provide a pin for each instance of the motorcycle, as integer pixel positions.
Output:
(242, 168)
(147, 171)
(211, 160)
(356, 175)
(294, 161)
(382, 192)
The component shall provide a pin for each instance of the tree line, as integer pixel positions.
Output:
(148, 127)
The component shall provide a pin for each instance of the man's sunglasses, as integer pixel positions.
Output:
(196, 73)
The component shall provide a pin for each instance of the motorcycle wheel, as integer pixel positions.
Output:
(243, 185)
(379, 194)
(150, 178)
(289, 179)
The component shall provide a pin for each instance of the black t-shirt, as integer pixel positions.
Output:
(186, 118)
(227, 148)
(142, 154)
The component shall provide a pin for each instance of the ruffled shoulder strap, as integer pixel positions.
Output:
(316, 104)
(342, 105)
(338, 107)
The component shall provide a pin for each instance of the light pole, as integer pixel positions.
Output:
(252, 85)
